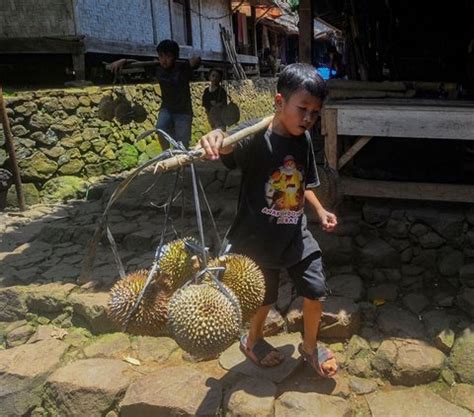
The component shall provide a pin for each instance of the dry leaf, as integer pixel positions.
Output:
(59, 334)
(131, 360)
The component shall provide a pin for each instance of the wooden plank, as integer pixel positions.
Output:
(367, 85)
(407, 190)
(59, 45)
(399, 103)
(305, 26)
(426, 123)
(356, 147)
(331, 132)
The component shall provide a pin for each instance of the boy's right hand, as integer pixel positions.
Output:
(212, 144)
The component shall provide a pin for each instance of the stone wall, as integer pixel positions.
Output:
(62, 144)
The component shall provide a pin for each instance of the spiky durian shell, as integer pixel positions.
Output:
(177, 264)
(245, 279)
(202, 320)
(151, 315)
(106, 109)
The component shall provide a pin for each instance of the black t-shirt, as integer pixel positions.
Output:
(270, 226)
(175, 90)
(213, 98)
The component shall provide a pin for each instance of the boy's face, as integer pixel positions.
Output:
(214, 77)
(166, 60)
(298, 113)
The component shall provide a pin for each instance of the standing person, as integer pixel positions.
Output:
(270, 225)
(214, 99)
(176, 112)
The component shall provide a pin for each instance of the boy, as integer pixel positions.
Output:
(275, 235)
(176, 113)
(213, 100)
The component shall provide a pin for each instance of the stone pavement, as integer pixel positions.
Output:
(405, 348)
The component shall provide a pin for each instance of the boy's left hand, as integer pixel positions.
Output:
(328, 220)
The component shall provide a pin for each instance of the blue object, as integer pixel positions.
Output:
(324, 72)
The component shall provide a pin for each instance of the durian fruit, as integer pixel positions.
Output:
(150, 317)
(124, 112)
(202, 320)
(139, 113)
(177, 263)
(245, 279)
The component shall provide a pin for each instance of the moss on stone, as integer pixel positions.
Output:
(63, 188)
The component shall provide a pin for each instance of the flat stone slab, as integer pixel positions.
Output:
(251, 397)
(174, 391)
(412, 402)
(23, 370)
(233, 360)
(304, 404)
(87, 387)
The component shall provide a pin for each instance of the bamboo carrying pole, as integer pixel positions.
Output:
(174, 162)
(11, 152)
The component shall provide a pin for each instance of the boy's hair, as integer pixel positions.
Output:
(299, 76)
(168, 46)
(219, 71)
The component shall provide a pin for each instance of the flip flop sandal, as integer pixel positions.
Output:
(316, 360)
(259, 352)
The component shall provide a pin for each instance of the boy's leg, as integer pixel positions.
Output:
(182, 128)
(310, 282)
(165, 123)
(255, 335)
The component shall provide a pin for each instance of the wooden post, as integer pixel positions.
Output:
(305, 27)
(253, 30)
(330, 141)
(11, 152)
(79, 65)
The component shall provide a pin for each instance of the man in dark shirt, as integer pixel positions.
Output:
(214, 99)
(176, 112)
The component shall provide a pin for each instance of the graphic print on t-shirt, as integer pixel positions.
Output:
(284, 192)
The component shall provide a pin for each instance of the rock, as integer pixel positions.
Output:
(13, 304)
(69, 102)
(431, 241)
(461, 356)
(251, 397)
(444, 341)
(436, 321)
(387, 292)
(90, 311)
(87, 387)
(294, 317)
(397, 228)
(108, 346)
(466, 275)
(408, 362)
(445, 221)
(387, 275)
(49, 298)
(41, 121)
(299, 404)
(234, 361)
(128, 156)
(465, 301)
(346, 285)
(415, 302)
(376, 212)
(38, 167)
(74, 166)
(30, 194)
(171, 391)
(462, 395)
(63, 188)
(397, 322)
(47, 332)
(450, 264)
(340, 319)
(362, 386)
(274, 323)
(157, 349)
(412, 402)
(378, 253)
(23, 370)
(19, 335)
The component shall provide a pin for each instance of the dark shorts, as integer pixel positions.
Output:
(307, 276)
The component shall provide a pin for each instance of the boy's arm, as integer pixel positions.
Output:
(328, 220)
(116, 66)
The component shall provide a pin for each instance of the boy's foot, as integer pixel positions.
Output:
(322, 360)
(262, 353)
